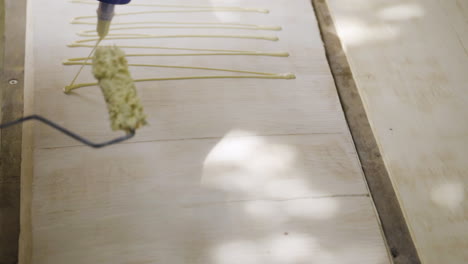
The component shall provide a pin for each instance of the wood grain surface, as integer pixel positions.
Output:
(409, 61)
(228, 171)
(394, 224)
(12, 48)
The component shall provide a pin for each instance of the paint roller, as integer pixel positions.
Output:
(110, 68)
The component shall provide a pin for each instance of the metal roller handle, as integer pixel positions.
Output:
(68, 132)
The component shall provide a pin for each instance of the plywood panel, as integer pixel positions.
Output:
(287, 199)
(201, 108)
(228, 171)
(409, 61)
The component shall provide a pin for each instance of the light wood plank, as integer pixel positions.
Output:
(27, 159)
(232, 200)
(223, 233)
(410, 63)
(195, 108)
(200, 109)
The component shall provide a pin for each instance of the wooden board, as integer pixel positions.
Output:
(200, 200)
(409, 61)
(27, 162)
(214, 107)
(229, 170)
(12, 29)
